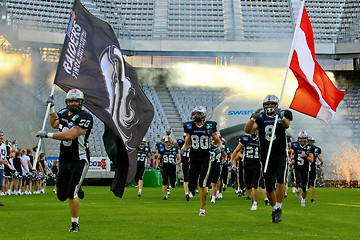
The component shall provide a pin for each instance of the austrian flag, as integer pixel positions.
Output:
(316, 95)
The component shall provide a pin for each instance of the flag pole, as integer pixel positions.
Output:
(286, 73)
(43, 127)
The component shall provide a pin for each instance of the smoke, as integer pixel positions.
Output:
(21, 108)
(255, 83)
(14, 66)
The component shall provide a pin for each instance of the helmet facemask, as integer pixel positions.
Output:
(270, 99)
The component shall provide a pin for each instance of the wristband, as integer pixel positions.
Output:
(50, 135)
(52, 110)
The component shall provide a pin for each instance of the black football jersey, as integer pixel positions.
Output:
(168, 156)
(74, 150)
(300, 161)
(142, 154)
(185, 155)
(317, 152)
(214, 157)
(251, 151)
(265, 127)
(200, 139)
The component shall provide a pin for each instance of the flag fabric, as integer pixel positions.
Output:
(91, 61)
(316, 95)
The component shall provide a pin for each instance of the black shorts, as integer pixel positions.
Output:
(199, 170)
(140, 171)
(70, 178)
(214, 174)
(252, 177)
(169, 171)
(312, 177)
(302, 178)
(185, 169)
(276, 172)
(224, 174)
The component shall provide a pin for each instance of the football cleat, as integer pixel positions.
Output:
(74, 227)
(212, 201)
(303, 202)
(165, 198)
(312, 201)
(276, 215)
(1, 204)
(202, 213)
(248, 198)
(254, 207)
(139, 194)
(267, 203)
(187, 196)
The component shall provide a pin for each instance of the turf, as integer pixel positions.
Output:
(334, 215)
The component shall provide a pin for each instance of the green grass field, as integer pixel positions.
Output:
(334, 215)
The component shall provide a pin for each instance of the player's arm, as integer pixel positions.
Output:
(286, 117)
(178, 158)
(310, 158)
(217, 139)
(292, 154)
(54, 120)
(320, 159)
(250, 126)
(186, 142)
(73, 133)
(235, 155)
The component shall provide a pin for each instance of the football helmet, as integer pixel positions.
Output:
(310, 138)
(202, 111)
(142, 143)
(74, 94)
(269, 99)
(303, 138)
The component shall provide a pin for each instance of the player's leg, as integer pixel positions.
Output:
(78, 172)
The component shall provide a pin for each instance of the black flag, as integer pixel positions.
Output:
(91, 61)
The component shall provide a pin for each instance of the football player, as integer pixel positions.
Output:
(302, 154)
(74, 126)
(169, 157)
(185, 165)
(143, 157)
(312, 175)
(263, 119)
(215, 168)
(199, 134)
(249, 144)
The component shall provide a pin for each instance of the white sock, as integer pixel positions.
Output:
(254, 203)
(140, 190)
(202, 210)
(186, 193)
(274, 207)
(278, 205)
(266, 199)
(75, 220)
(213, 198)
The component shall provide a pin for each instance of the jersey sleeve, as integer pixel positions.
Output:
(187, 127)
(288, 114)
(84, 120)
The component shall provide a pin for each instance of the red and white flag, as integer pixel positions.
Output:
(316, 95)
